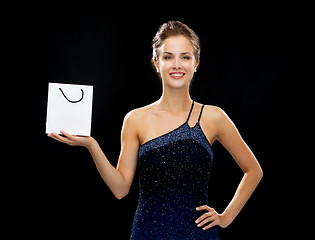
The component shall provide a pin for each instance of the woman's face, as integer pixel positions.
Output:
(176, 62)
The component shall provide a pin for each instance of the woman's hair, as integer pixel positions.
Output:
(174, 28)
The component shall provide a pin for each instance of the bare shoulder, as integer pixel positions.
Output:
(138, 116)
(138, 113)
(214, 113)
(213, 120)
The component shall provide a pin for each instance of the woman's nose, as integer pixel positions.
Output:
(177, 64)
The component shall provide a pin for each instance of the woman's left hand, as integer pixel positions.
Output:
(210, 216)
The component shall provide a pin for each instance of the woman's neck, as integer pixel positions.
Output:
(175, 100)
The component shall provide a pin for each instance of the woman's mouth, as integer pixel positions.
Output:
(177, 75)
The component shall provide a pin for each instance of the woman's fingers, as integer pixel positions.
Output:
(210, 216)
(67, 135)
(210, 225)
(71, 140)
(203, 207)
(204, 216)
(60, 138)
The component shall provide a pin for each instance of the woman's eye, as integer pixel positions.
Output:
(186, 57)
(167, 57)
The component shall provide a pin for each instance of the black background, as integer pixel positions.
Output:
(246, 68)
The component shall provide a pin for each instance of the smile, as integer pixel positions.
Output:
(177, 75)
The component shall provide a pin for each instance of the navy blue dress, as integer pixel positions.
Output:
(174, 174)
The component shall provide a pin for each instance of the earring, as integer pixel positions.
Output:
(195, 69)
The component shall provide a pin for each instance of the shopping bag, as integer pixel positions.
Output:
(69, 108)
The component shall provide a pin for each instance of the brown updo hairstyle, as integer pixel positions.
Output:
(170, 29)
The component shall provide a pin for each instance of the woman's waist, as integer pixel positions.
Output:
(171, 202)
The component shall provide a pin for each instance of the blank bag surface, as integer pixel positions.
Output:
(69, 108)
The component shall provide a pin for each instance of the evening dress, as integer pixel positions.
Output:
(174, 174)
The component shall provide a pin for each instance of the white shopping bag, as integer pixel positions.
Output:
(69, 108)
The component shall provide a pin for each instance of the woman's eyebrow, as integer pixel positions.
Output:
(183, 53)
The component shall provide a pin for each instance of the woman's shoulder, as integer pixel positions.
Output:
(140, 113)
(214, 112)
(138, 118)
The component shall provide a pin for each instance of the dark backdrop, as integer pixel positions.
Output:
(245, 69)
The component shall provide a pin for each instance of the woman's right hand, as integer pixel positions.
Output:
(73, 140)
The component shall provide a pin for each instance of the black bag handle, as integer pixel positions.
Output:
(70, 100)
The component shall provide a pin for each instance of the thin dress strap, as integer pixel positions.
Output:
(200, 113)
(192, 106)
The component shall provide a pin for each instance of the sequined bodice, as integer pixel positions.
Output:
(174, 173)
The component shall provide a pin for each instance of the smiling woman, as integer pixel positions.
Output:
(170, 142)
(176, 61)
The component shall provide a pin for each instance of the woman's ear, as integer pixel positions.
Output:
(196, 66)
(156, 66)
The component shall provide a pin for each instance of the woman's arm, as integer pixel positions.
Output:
(228, 135)
(118, 179)
(230, 138)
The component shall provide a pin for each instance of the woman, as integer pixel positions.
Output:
(170, 142)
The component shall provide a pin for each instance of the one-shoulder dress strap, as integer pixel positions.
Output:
(192, 106)
(200, 113)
